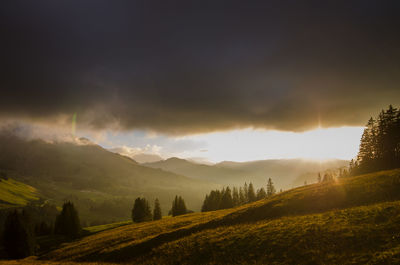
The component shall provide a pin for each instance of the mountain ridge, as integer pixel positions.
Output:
(283, 172)
(93, 176)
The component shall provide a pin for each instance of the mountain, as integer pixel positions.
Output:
(103, 184)
(194, 170)
(135, 155)
(284, 172)
(352, 220)
(146, 158)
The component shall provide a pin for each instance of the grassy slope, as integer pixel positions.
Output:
(14, 193)
(352, 220)
(356, 235)
(100, 228)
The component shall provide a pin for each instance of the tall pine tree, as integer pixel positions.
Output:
(270, 188)
(67, 222)
(178, 206)
(141, 210)
(261, 194)
(18, 238)
(157, 215)
(235, 196)
(251, 195)
(226, 200)
(380, 144)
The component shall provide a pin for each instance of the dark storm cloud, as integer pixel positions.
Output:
(185, 67)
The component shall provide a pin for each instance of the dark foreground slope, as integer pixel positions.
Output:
(352, 220)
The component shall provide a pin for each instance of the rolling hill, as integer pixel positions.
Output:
(15, 194)
(103, 184)
(348, 221)
(284, 172)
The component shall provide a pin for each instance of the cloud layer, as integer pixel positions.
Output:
(191, 68)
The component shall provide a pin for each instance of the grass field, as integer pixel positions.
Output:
(14, 193)
(349, 221)
(100, 228)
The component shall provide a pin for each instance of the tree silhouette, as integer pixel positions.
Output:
(141, 210)
(212, 201)
(246, 193)
(67, 222)
(157, 210)
(270, 188)
(226, 200)
(178, 206)
(235, 197)
(380, 144)
(251, 195)
(261, 194)
(242, 197)
(19, 241)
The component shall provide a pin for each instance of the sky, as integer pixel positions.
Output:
(187, 76)
(242, 145)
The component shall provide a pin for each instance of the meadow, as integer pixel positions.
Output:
(350, 220)
(14, 193)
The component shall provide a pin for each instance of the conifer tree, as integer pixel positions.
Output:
(380, 144)
(19, 241)
(319, 177)
(251, 195)
(270, 188)
(141, 210)
(205, 207)
(246, 193)
(67, 222)
(261, 194)
(242, 197)
(178, 206)
(235, 197)
(226, 199)
(157, 215)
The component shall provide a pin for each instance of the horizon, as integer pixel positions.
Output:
(320, 144)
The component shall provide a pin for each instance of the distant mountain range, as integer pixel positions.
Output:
(103, 184)
(283, 172)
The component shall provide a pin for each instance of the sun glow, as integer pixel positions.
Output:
(249, 144)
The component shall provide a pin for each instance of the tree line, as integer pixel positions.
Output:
(380, 144)
(141, 211)
(20, 230)
(229, 198)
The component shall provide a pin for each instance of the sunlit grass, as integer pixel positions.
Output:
(15, 193)
(351, 220)
(99, 228)
(355, 235)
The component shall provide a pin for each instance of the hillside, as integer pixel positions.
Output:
(103, 184)
(220, 175)
(351, 220)
(284, 172)
(14, 193)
